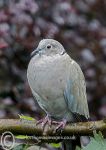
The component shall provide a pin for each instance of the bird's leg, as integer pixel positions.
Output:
(44, 121)
(61, 124)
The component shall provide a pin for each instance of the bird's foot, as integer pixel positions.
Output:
(61, 125)
(44, 121)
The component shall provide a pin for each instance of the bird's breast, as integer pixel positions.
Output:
(47, 77)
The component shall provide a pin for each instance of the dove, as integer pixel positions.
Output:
(57, 83)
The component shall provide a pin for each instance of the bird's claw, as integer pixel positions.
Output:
(44, 121)
(61, 125)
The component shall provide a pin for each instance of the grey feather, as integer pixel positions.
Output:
(57, 82)
(75, 92)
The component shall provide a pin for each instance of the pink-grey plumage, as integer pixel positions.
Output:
(57, 82)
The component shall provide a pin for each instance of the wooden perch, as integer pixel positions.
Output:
(25, 127)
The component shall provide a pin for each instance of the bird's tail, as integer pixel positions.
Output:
(71, 144)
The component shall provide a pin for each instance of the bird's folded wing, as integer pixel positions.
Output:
(75, 92)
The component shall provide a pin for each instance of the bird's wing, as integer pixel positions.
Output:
(75, 91)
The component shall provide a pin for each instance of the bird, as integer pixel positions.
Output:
(57, 83)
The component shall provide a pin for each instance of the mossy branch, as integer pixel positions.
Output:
(25, 127)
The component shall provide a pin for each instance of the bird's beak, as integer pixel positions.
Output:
(36, 51)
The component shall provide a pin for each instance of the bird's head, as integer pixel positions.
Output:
(48, 47)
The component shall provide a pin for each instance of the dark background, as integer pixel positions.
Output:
(80, 25)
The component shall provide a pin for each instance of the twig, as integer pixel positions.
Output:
(25, 127)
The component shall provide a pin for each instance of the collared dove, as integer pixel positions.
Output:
(57, 83)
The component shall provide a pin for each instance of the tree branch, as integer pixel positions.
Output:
(25, 127)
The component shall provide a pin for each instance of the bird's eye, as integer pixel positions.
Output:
(49, 46)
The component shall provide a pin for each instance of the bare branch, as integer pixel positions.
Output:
(25, 127)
